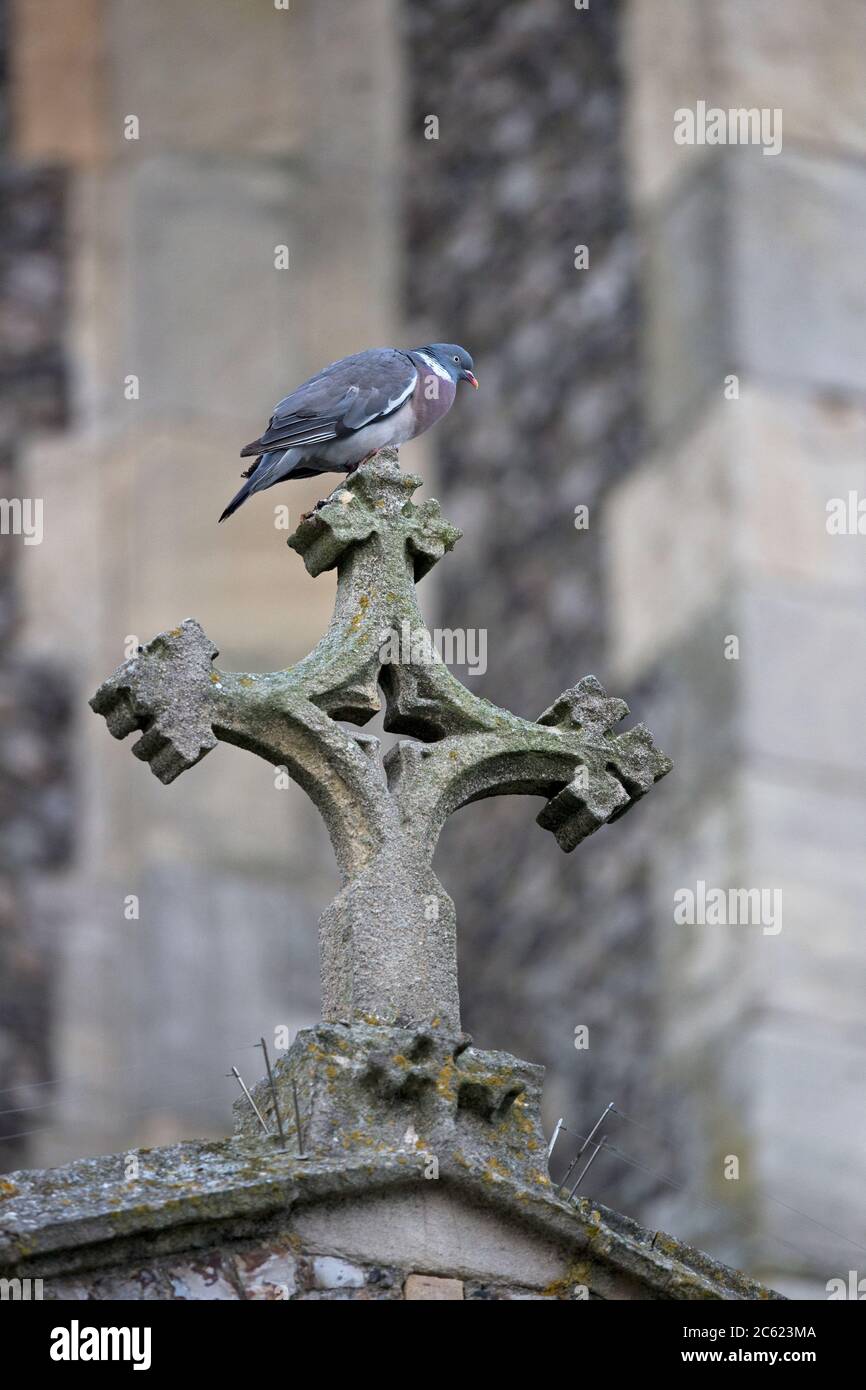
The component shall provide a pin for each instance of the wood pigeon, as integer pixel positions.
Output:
(342, 416)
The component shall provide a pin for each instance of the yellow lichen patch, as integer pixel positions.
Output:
(7, 1189)
(593, 1225)
(453, 755)
(176, 632)
(214, 676)
(357, 1137)
(496, 1166)
(246, 680)
(445, 1079)
(576, 1274)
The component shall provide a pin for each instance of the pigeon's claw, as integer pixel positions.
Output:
(305, 516)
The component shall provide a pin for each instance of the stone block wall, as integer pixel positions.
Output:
(280, 1271)
(751, 276)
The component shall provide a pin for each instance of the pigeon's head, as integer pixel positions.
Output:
(455, 359)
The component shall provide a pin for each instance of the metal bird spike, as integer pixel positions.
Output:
(588, 1140)
(236, 1074)
(273, 1084)
(580, 1177)
(298, 1129)
(552, 1145)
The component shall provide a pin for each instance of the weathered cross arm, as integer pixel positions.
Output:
(570, 755)
(183, 705)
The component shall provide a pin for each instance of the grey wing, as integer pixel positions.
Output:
(343, 398)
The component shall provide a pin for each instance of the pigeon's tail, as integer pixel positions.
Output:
(238, 500)
(264, 472)
(274, 467)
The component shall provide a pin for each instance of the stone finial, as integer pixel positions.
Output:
(389, 938)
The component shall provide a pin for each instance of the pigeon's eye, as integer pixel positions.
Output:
(457, 360)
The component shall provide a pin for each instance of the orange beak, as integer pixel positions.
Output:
(471, 379)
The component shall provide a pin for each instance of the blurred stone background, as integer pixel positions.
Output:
(605, 387)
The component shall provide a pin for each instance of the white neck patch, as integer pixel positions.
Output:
(434, 365)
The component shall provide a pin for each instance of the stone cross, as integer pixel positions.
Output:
(388, 941)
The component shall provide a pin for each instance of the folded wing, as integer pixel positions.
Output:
(343, 398)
